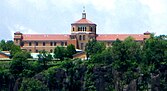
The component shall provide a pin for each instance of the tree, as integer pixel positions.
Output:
(126, 56)
(3, 45)
(59, 53)
(9, 46)
(14, 50)
(31, 84)
(19, 64)
(94, 47)
(154, 60)
(104, 57)
(70, 51)
(44, 57)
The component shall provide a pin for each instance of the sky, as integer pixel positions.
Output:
(56, 16)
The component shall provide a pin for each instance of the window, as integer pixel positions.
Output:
(73, 28)
(36, 51)
(54, 43)
(83, 37)
(22, 43)
(51, 43)
(51, 51)
(30, 44)
(85, 28)
(80, 37)
(82, 45)
(36, 43)
(43, 43)
(72, 37)
(30, 50)
(91, 29)
(62, 43)
(65, 43)
(79, 28)
(16, 40)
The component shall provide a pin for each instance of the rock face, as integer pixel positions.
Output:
(155, 82)
(99, 78)
(132, 86)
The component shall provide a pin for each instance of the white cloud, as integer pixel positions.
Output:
(20, 28)
(100, 5)
(14, 3)
(156, 6)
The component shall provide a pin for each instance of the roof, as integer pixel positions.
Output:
(4, 53)
(45, 37)
(83, 21)
(113, 37)
(17, 32)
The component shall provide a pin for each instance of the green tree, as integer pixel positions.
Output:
(70, 51)
(19, 64)
(3, 46)
(59, 53)
(9, 46)
(94, 47)
(104, 57)
(44, 57)
(126, 56)
(154, 59)
(31, 84)
(14, 50)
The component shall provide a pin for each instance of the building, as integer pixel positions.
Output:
(82, 31)
(4, 55)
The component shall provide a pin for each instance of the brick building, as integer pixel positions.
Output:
(82, 31)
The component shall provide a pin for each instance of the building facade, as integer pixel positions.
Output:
(82, 31)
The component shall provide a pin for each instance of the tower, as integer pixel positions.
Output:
(83, 30)
(18, 38)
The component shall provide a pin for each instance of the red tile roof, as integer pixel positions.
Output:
(83, 21)
(45, 37)
(113, 37)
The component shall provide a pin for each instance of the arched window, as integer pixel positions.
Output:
(82, 46)
(85, 28)
(83, 37)
(51, 51)
(29, 43)
(80, 37)
(36, 43)
(51, 43)
(62, 43)
(55, 43)
(73, 28)
(43, 43)
(65, 43)
(91, 29)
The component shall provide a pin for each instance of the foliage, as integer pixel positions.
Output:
(31, 84)
(19, 64)
(44, 57)
(94, 47)
(59, 53)
(9, 46)
(63, 52)
(70, 51)
(155, 59)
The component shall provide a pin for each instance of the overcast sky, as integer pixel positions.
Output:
(56, 16)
